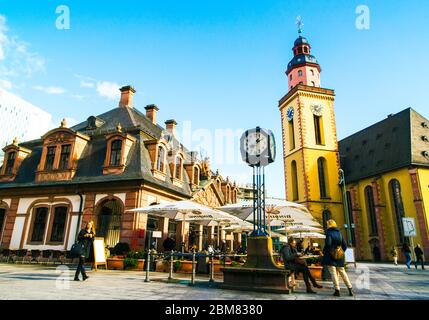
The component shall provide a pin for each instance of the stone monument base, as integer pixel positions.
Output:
(260, 272)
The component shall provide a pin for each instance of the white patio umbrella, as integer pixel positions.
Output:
(308, 235)
(189, 211)
(279, 212)
(299, 228)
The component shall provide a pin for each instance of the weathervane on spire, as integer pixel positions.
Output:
(299, 24)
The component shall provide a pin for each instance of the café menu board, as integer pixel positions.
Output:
(99, 252)
(350, 255)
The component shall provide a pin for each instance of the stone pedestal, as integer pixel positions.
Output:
(260, 272)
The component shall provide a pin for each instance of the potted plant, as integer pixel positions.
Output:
(116, 261)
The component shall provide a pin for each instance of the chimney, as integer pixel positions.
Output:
(127, 93)
(170, 125)
(151, 111)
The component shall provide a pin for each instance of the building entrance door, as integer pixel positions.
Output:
(109, 222)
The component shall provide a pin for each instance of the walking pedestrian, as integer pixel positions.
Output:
(406, 250)
(85, 239)
(394, 254)
(419, 256)
(294, 263)
(334, 257)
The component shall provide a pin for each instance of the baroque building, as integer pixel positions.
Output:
(99, 169)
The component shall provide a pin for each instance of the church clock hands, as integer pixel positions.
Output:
(317, 109)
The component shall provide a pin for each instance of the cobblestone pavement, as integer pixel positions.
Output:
(371, 281)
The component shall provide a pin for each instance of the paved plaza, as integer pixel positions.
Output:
(371, 281)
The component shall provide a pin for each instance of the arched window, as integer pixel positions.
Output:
(116, 153)
(160, 161)
(313, 83)
(398, 205)
(59, 224)
(299, 73)
(39, 224)
(326, 215)
(321, 167)
(370, 207)
(109, 215)
(351, 220)
(294, 171)
(178, 170)
(312, 72)
(196, 176)
(10, 162)
(290, 77)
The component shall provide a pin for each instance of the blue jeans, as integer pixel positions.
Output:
(408, 260)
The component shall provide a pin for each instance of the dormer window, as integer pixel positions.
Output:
(115, 153)
(50, 158)
(160, 161)
(117, 149)
(179, 166)
(196, 176)
(13, 156)
(62, 147)
(10, 162)
(65, 157)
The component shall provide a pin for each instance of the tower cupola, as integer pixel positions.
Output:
(303, 68)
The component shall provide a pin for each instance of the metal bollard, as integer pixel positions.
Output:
(170, 274)
(211, 268)
(193, 270)
(147, 267)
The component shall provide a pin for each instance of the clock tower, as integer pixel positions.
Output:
(311, 159)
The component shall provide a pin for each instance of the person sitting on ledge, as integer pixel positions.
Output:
(294, 263)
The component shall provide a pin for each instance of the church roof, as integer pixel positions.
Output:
(394, 143)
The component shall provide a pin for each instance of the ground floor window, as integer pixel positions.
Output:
(59, 224)
(109, 221)
(39, 224)
(172, 229)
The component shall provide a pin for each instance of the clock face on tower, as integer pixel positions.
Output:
(317, 109)
(258, 147)
(289, 113)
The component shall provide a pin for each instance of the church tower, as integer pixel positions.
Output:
(311, 158)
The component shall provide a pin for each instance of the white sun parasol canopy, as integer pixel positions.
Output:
(307, 235)
(279, 213)
(299, 228)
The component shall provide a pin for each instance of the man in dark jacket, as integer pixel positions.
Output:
(419, 256)
(293, 262)
(334, 258)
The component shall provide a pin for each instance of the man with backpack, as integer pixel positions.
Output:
(334, 258)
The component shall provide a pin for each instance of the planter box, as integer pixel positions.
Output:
(115, 264)
(160, 266)
(186, 266)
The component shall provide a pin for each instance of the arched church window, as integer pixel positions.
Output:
(370, 207)
(398, 205)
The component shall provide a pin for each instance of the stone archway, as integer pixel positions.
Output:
(109, 217)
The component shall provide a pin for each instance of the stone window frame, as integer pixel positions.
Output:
(48, 223)
(20, 154)
(32, 221)
(58, 138)
(126, 142)
(51, 223)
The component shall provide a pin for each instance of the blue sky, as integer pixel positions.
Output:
(219, 64)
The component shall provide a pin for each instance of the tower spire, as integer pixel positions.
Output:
(299, 24)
